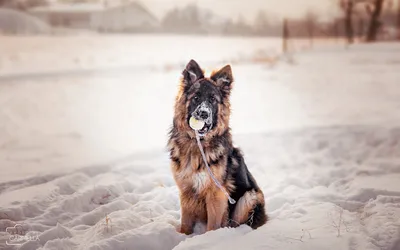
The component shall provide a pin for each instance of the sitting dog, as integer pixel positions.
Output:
(207, 99)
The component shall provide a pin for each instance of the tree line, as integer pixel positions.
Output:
(378, 15)
(363, 19)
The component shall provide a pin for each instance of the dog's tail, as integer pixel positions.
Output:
(257, 217)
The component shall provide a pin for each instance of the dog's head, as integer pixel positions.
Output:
(205, 99)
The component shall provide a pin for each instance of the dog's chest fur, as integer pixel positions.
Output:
(192, 173)
(199, 179)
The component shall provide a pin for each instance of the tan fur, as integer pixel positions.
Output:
(245, 206)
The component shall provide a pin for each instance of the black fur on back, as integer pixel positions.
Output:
(243, 182)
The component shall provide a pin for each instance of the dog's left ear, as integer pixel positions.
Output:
(224, 79)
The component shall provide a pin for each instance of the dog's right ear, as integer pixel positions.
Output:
(192, 73)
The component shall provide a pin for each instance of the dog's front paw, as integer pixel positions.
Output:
(185, 230)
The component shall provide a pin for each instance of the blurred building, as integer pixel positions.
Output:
(17, 22)
(123, 17)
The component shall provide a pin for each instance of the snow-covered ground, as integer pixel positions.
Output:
(83, 124)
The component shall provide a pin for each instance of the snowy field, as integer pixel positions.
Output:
(83, 128)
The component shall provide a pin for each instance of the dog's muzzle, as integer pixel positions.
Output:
(203, 112)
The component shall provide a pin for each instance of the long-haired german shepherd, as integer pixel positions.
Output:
(207, 99)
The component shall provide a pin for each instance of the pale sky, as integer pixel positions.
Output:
(249, 8)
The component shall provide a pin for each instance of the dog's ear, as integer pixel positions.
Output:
(224, 79)
(192, 73)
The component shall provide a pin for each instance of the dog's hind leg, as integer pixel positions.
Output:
(250, 210)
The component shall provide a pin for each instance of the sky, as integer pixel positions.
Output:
(249, 8)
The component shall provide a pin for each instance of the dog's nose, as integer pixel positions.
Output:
(203, 115)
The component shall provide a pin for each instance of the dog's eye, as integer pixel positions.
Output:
(196, 98)
(212, 99)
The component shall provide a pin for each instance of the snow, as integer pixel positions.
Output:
(83, 161)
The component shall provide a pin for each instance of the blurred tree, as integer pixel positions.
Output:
(361, 29)
(261, 23)
(172, 20)
(335, 28)
(374, 10)
(185, 20)
(242, 27)
(192, 16)
(311, 19)
(398, 20)
(285, 34)
(347, 6)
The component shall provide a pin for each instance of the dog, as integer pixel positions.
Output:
(201, 200)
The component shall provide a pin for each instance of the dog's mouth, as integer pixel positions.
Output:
(200, 125)
(202, 132)
(202, 117)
